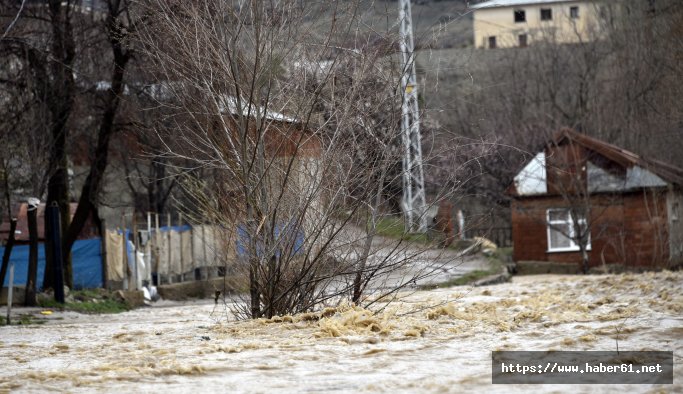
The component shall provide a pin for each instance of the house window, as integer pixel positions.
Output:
(604, 12)
(675, 211)
(522, 40)
(546, 14)
(574, 12)
(492, 42)
(561, 232)
(520, 16)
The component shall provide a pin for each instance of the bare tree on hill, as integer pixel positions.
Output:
(295, 116)
(619, 86)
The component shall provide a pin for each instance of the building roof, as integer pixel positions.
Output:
(640, 172)
(623, 157)
(20, 212)
(513, 3)
(228, 103)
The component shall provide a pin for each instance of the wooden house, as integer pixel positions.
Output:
(580, 194)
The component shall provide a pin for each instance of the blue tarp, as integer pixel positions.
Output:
(86, 260)
(180, 229)
(242, 241)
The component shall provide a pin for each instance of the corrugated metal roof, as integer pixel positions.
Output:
(513, 3)
(20, 212)
(229, 104)
(623, 157)
(532, 180)
(640, 172)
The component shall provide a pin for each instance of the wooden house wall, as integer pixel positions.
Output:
(630, 229)
(566, 170)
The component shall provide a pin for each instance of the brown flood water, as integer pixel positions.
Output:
(429, 341)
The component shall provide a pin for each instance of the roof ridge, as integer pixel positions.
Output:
(669, 172)
(512, 3)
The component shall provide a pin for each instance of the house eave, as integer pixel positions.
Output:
(595, 194)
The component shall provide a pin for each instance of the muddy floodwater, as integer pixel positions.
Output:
(429, 341)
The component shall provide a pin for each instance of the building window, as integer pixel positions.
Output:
(604, 12)
(520, 16)
(574, 12)
(561, 232)
(546, 14)
(675, 211)
(522, 40)
(492, 42)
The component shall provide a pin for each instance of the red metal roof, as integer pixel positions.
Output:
(21, 235)
(623, 157)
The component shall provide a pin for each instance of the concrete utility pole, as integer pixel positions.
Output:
(414, 202)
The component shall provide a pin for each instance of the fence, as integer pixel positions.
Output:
(166, 254)
(179, 253)
(86, 257)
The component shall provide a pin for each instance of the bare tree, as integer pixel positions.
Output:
(293, 112)
(567, 176)
(615, 83)
(75, 59)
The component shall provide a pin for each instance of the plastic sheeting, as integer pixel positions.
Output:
(204, 246)
(86, 261)
(136, 264)
(185, 252)
(167, 253)
(174, 261)
(175, 250)
(285, 237)
(114, 250)
(181, 249)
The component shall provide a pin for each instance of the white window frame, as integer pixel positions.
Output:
(573, 246)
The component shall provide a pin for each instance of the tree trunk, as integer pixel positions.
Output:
(358, 285)
(584, 258)
(254, 293)
(60, 103)
(87, 203)
(8, 251)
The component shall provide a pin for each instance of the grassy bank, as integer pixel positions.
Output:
(393, 227)
(496, 262)
(87, 301)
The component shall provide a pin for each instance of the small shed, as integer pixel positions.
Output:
(580, 199)
(20, 212)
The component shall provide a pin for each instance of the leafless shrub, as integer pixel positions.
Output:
(288, 122)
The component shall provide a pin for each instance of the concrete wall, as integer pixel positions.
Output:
(500, 22)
